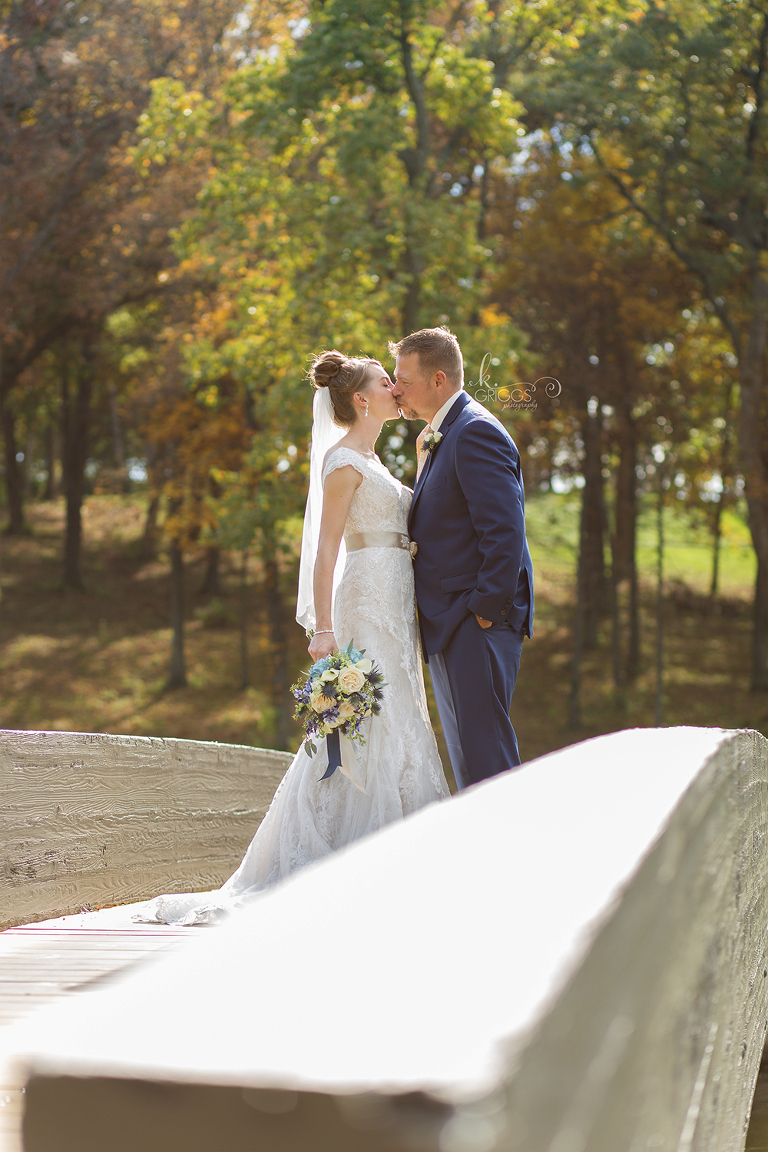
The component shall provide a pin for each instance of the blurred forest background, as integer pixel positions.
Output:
(196, 196)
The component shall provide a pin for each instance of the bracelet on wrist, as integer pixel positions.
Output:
(324, 632)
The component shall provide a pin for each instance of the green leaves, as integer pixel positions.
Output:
(669, 105)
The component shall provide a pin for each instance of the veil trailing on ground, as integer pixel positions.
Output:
(324, 435)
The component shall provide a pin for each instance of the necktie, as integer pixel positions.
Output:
(421, 457)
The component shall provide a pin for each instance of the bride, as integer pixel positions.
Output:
(355, 583)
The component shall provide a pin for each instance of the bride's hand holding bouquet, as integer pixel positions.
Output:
(322, 644)
(333, 698)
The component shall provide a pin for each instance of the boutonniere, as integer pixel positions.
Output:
(431, 441)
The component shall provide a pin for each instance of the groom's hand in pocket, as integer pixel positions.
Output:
(483, 623)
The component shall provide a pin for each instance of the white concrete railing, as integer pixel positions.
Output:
(89, 820)
(567, 958)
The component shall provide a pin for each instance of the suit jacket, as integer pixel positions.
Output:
(468, 519)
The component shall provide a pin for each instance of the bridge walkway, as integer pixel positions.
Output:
(41, 963)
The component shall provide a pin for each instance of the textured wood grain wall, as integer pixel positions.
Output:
(89, 819)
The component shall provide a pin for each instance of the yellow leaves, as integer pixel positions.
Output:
(492, 317)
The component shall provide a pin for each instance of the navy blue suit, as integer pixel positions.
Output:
(468, 519)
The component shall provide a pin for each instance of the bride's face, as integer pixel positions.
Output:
(381, 403)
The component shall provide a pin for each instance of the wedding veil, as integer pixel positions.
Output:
(324, 435)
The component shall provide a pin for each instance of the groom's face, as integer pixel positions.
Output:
(413, 391)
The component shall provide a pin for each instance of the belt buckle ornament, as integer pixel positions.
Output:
(413, 548)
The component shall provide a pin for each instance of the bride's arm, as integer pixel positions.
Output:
(338, 491)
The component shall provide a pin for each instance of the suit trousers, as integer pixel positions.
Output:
(473, 680)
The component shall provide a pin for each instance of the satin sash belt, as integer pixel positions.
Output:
(357, 540)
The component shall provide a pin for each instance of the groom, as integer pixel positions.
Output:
(474, 579)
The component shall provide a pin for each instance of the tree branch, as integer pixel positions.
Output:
(721, 310)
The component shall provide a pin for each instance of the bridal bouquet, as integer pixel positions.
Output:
(334, 697)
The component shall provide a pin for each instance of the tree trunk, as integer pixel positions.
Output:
(716, 538)
(244, 671)
(415, 161)
(659, 710)
(725, 472)
(616, 630)
(624, 542)
(752, 372)
(149, 537)
(633, 642)
(278, 644)
(27, 472)
(75, 434)
(211, 585)
(590, 580)
(574, 699)
(760, 627)
(118, 450)
(592, 540)
(49, 491)
(412, 303)
(177, 675)
(13, 474)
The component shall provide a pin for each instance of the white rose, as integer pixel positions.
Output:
(346, 710)
(322, 702)
(365, 666)
(351, 679)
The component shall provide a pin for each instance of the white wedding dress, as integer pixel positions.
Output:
(399, 765)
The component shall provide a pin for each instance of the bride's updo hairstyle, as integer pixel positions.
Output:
(342, 376)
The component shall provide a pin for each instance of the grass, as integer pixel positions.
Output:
(707, 643)
(97, 660)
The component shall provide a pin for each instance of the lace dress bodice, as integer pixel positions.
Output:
(380, 503)
(376, 597)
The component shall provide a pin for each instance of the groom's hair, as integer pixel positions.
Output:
(438, 351)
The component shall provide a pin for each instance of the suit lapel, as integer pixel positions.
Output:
(455, 408)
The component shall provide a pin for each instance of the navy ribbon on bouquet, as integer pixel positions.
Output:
(333, 744)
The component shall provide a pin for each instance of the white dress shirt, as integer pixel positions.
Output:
(441, 413)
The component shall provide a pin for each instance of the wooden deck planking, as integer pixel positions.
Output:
(44, 962)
